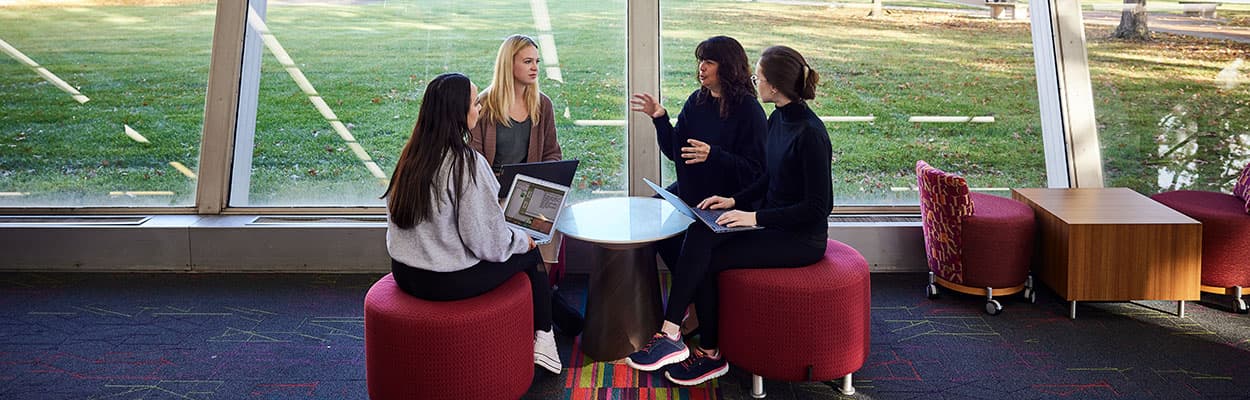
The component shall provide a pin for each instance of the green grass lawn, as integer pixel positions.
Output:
(146, 67)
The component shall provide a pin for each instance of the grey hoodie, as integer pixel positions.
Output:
(463, 229)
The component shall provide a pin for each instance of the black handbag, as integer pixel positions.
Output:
(566, 318)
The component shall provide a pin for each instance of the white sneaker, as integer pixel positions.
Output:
(545, 353)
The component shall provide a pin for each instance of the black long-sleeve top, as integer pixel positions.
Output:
(737, 146)
(797, 184)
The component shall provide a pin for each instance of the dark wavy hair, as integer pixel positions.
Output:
(733, 70)
(442, 127)
(788, 71)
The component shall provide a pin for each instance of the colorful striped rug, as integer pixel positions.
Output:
(587, 379)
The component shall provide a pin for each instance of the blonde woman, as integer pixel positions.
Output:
(518, 123)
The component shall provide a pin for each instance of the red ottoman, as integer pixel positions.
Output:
(476, 348)
(1225, 239)
(798, 324)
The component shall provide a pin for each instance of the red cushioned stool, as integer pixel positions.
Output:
(798, 324)
(1225, 240)
(476, 348)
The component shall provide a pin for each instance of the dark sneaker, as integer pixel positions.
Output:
(660, 351)
(697, 368)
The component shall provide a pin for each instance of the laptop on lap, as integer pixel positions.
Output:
(708, 217)
(534, 205)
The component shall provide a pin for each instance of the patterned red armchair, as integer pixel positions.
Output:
(1225, 222)
(982, 250)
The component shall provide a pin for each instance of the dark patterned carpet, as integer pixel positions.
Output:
(292, 336)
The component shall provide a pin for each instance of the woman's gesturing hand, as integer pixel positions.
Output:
(647, 104)
(696, 153)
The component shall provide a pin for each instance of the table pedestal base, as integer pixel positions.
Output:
(623, 309)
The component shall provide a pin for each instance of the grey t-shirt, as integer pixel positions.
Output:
(512, 144)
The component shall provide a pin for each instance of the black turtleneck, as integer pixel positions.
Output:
(737, 143)
(797, 184)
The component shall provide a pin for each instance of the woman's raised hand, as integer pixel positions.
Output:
(647, 104)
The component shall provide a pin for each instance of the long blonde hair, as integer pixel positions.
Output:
(497, 98)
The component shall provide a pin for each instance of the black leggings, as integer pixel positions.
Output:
(705, 254)
(478, 279)
(669, 249)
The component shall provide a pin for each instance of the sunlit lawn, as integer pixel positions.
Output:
(146, 67)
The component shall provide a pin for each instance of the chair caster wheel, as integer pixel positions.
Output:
(931, 291)
(993, 307)
(1239, 305)
(1030, 295)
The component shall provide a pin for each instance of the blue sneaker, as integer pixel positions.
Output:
(657, 353)
(698, 368)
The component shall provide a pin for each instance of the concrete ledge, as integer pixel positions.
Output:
(196, 244)
(184, 243)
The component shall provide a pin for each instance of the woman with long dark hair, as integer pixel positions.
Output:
(445, 232)
(718, 140)
(797, 193)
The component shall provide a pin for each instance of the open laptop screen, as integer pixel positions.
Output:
(534, 205)
(559, 172)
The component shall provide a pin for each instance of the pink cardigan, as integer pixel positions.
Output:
(543, 144)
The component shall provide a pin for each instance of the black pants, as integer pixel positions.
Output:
(705, 254)
(479, 279)
(669, 249)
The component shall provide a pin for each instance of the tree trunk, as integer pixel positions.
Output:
(877, 11)
(1133, 21)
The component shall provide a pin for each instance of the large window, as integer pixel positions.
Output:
(102, 104)
(337, 86)
(1172, 111)
(954, 89)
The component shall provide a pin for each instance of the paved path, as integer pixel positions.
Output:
(1158, 22)
(1177, 24)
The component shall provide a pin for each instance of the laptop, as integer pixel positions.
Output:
(534, 205)
(708, 217)
(560, 172)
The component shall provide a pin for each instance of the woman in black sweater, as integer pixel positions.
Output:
(797, 193)
(719, 137)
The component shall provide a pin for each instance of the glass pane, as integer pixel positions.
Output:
(1172, 110)
(102, 105)
(340, 86)
(936, 85)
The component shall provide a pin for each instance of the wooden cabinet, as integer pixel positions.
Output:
(1114, 244)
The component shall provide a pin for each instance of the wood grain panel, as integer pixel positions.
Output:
(1102, 206)
(1134, 262)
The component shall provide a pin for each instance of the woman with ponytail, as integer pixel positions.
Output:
(797, 193)
(445, 232)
